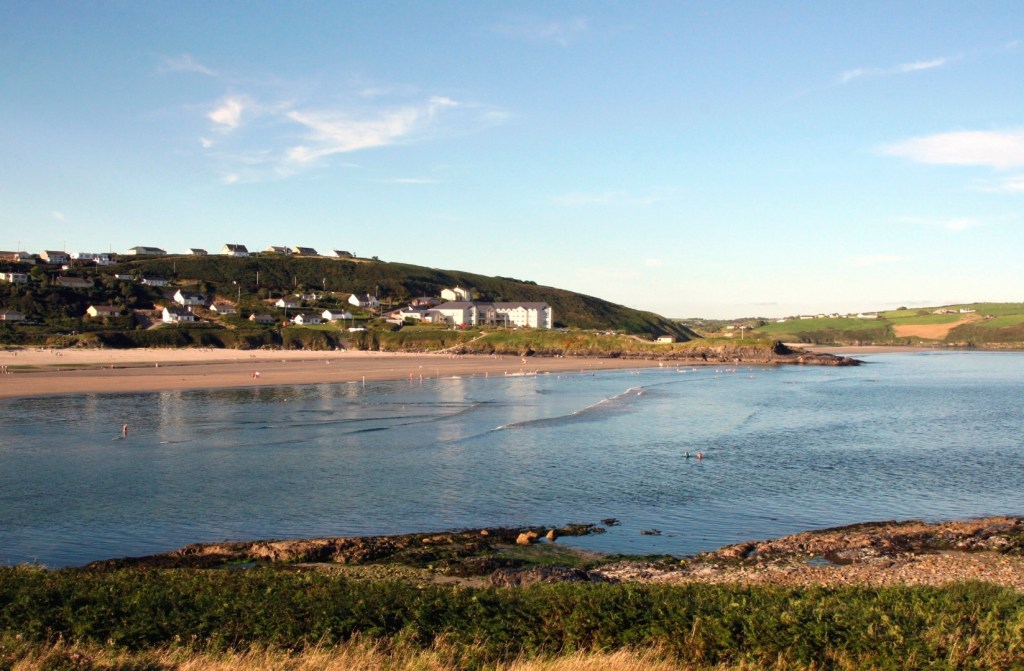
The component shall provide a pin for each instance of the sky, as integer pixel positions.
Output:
(697, 159)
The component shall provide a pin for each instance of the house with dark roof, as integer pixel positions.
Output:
(74, 282)
(140, 250)
(55, 258)
(172, 314)
(236, 250)
(103, 311)
(304, 251)
(11, 316)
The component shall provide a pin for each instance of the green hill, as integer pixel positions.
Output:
(251, 282)
(981, 325)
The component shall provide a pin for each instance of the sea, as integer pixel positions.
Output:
(685, 459)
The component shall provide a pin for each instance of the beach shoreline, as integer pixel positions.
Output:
(41, 372)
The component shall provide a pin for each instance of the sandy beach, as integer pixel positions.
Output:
(35, 372)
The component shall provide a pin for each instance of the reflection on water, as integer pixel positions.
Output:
(932, 436)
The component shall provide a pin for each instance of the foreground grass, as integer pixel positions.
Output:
(301, 617)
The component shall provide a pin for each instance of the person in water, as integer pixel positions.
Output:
(124, 430)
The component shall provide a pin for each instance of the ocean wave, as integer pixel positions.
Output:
(604, 408)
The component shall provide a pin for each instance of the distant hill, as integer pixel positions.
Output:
(984, 325)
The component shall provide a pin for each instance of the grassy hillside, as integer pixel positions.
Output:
(985, 325)
(395, 283)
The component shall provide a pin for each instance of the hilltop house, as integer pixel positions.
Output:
(287, 303)
(103, 311)
(456, 294)
(335, 316)
(140, 250)
(17, 257)
(236, 250)
(99, 258)
(196, 251)
(304, 251)
(469, 313)
(364, 301)
(188, 298)
(261, 319)
(339, 254)
(74, 282)
(11, 316)
(278, 250)
(172, 314)
(55, 258)
(224, 309)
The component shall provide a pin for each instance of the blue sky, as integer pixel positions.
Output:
(716, 159)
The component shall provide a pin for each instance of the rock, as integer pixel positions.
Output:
(551, 535)
(526, 538)
(610, 522)
(650, 532)
(545, 574)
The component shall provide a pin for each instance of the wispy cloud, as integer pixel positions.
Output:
(58, 215)
(227, 115)
(614, 198)
(870, 260)
(1011, 184)
(410, 180)
(185, 63)
(653, 263)
(953, 225)
(561, 32)
(994, 149)
(903, 68)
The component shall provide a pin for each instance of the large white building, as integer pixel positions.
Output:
(469, 313)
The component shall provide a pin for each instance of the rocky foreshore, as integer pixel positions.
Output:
(876, 554)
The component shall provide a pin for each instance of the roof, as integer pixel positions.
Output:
(105, 308)
(235, 247)
(74, 281)
(456, 305)
(175, 310)
(305, 251)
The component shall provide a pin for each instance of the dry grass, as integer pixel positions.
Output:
(353, 656)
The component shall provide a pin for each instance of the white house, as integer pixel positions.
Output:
(287, 303)
(306, 319)
(140, 250)
(188, 298)
(55, 258)
(261, 319)
(335, 316)
(99, 258)
(196, 251)
(11, 316)
(154, 281)
(277, 250)
(173, 314)
(103, 311)
(14, 278)
(455, 294)
(340, 254)
(411, 312)
(459, 313)
(224, 309)
(236, 250)
(364, 301)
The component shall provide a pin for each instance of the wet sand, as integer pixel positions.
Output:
(31, 372)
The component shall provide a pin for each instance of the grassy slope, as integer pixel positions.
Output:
(1000, 324)
(400, 282)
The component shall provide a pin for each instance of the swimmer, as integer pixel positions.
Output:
(124, 430)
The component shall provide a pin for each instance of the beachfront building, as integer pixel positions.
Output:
(336, 315)
(188, 298)
(470, 313)
(14, 278)
(140, 250)
(456, 294)
(235, 250)
(172, 314)
(365, 301)
(103, 311)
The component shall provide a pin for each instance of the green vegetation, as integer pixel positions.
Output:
(57, 314)
(965, 625)
(827, 330)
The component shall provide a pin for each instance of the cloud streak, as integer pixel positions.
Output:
(995, 149)
(560, 32)
(903, 68)
(185, 63)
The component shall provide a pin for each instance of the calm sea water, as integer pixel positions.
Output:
(909, 436)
